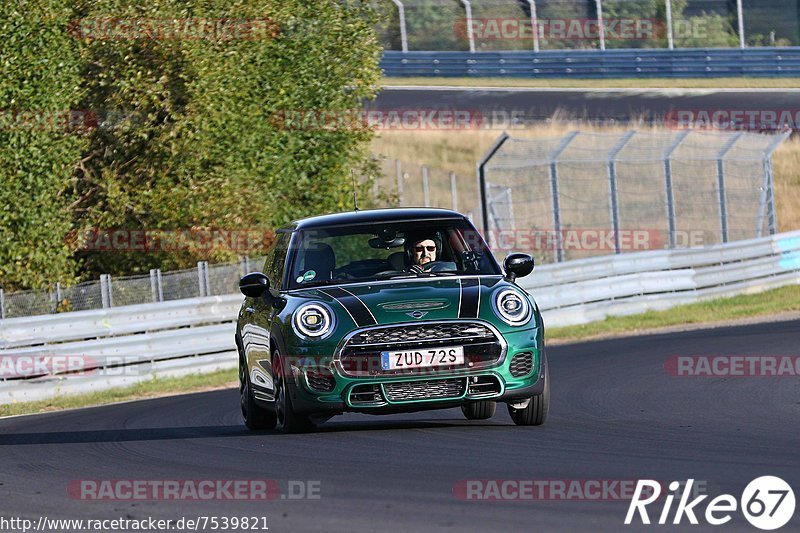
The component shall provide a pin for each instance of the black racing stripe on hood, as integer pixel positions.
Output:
(353, 304)
(470, 298)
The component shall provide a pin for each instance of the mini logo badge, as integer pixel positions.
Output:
(417, 314)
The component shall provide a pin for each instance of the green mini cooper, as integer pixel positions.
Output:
(388, 311)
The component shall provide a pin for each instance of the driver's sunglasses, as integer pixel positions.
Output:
(421, 249)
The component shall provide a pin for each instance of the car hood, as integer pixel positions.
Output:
(422, 299)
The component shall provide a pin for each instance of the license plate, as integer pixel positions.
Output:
(448, 356)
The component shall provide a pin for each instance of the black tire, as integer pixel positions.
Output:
(255, 417)
(480, 410)
(289, 420)
(535, 414)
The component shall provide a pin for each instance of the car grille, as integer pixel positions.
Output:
(425, 390)
(521, 364)
(360, 355)
(399, 335)
(320, 381)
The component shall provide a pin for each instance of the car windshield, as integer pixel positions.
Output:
(389, 250)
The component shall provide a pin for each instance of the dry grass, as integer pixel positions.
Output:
(458, 151)
(786, 165)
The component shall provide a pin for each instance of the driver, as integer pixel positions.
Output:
(424, 251)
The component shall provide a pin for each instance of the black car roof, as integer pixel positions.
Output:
(369, 216)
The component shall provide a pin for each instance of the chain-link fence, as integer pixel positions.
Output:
(413, 185)
(493, 25)
(205, 280)
(589, 194)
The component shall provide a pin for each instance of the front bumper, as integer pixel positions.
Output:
(395, 394)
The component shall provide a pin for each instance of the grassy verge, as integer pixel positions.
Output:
(783, 300)
(146, 389)
(654, 83)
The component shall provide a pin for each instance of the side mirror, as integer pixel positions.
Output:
(254, 285)
(518, 266)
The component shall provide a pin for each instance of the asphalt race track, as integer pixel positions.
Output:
(616, 414)
(599, 105)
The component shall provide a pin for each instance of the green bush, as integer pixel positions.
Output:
(187, 136)
(39, 85)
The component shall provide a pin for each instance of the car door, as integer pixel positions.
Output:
(259, 317)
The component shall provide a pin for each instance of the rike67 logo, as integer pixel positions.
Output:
(767, 503)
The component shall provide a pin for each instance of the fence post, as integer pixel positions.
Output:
(723, 203)
(612, 187)
(670, 198)
(398, 167)
(155, 285)
(2, 304)
(740, 18)
(768, 198)
(202, 278)
(58, 297)
(559, 253)
(426, 190)
(105, 291)
(482, 190)
(600, 25)
(534, 24)
(453, 191)
(670, 37)
(470, 35)
(401, 12)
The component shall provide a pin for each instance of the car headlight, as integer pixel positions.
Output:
(512, 307)
(313, 321)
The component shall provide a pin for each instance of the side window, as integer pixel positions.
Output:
(275, 260)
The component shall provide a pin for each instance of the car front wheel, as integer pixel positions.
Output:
(255, 416)
(534, 413)
(290, 421)
(480, 410)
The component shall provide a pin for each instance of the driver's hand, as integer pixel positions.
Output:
(417, 269)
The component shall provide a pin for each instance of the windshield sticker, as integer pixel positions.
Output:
(308, 276)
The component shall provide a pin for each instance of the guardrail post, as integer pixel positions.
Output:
(426, 190)
(723, 203)
(202, 278)
(470, 35)
(2, 304)
(670, 197)
(482, 180)
(106, 295)
(398, 168)
(401, 12)
(155, 285)
(453, 192)
(559, 253)
(612, 187)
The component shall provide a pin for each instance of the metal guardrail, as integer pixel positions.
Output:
(626, 63)
(128, 344)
